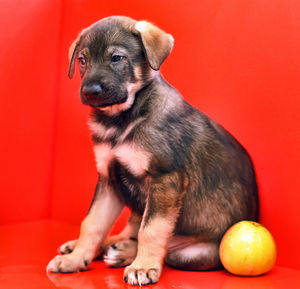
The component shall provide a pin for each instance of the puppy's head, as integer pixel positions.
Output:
(117, 56)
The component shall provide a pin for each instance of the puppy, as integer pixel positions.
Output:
(184, 177)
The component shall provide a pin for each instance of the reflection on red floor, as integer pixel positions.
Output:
(26, 248)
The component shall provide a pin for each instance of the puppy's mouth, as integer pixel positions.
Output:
(100, 104)
(103, 102)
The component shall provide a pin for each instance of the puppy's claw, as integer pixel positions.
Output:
(86, 263)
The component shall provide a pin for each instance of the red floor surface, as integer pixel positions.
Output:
(26, 248)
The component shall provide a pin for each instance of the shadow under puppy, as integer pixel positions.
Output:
(184, 177)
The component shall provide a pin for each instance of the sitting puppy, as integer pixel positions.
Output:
(184, 177)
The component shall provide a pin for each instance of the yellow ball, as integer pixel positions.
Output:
(248, 249)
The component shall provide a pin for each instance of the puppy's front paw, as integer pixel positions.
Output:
(68, 264)
(121, 253)
(135, 275)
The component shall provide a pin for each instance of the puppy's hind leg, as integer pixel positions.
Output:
(120, 250)
(120, 254)
(199, 257)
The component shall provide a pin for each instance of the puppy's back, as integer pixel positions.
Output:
(222, 187)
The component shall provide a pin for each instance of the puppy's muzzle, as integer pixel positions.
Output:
(95, 96)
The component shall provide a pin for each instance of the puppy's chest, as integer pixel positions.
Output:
(113, 147)
(128, 155)
(125, 166)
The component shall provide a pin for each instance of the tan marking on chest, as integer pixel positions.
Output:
(136, 160)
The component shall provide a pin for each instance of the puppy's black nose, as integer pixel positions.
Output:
(92, 92)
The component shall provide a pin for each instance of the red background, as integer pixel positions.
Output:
(238, 61)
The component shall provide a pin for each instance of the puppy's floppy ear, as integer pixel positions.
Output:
(157, 44)
(73, 51)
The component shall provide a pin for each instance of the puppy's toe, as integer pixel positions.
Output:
(143, 278)
(67, 247)
(121, 253)
(53, 265)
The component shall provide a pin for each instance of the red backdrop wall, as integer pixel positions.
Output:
(29, 34)
(238, 61)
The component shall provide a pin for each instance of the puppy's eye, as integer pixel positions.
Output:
(117, 58)
(82, 61)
